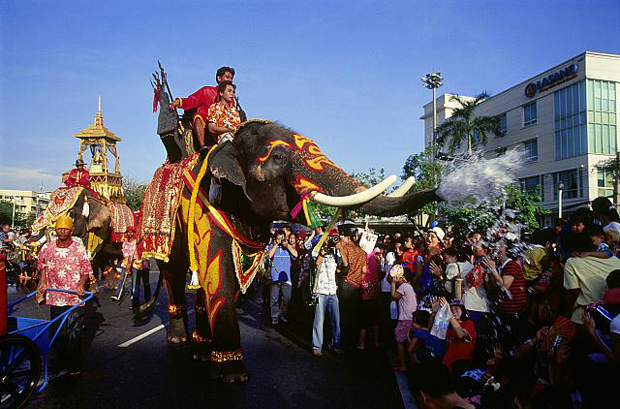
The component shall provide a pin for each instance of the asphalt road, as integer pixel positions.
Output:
(149, 373)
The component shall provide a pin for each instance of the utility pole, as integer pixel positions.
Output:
(13, 216)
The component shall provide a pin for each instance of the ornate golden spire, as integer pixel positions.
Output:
(99, 117)
(98, 130)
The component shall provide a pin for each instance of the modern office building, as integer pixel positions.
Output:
(565, 119)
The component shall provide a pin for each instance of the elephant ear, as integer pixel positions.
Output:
(98, 214)
(224, 164)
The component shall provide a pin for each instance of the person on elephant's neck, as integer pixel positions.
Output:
(222, 117)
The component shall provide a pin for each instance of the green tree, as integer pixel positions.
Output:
(468, 217)
(134, 191)
(463, 125)
(427, 175)
(6, 212)
(21, 220)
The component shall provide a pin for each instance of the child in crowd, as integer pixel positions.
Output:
(402, 291)
(424, 346)
(597, 236)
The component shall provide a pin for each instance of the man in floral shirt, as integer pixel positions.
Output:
(64, 264)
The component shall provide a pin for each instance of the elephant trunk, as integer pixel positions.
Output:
(337, 184)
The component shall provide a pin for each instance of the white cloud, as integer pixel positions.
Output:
(28, 179)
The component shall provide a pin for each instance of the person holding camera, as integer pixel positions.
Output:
(281, 254)
(324, 294)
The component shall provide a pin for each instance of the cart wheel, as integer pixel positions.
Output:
(20, 370)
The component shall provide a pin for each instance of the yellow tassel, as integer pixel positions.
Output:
(317, 248)
(304, 204)
(194, 284)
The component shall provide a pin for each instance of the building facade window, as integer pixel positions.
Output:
(531, 150)
(572, 181)
(602, 127)
(534, 186)
(570, 121)
(530, 115)
(503, 124)
(605, 183)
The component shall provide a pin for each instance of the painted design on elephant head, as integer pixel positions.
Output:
(304, 186)
(212, 286)
(270, 147)
(311, 154)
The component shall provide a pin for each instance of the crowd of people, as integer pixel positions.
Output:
(499, 320)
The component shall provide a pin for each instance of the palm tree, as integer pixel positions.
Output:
(464, 125)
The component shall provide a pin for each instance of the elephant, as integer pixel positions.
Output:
(256, 178)
(98, 221)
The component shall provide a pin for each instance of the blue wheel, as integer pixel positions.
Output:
(20, 370)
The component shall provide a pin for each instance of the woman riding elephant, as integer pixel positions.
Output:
(245, 184)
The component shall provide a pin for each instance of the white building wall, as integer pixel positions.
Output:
(511, 101)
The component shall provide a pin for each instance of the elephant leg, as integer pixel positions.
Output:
(201, 336)
(220, 288)
(174, 282)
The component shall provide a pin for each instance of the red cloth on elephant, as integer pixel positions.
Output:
(77, 178)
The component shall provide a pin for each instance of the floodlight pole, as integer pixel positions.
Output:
(433, 81)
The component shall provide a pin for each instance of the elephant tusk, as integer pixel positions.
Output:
(358, 198)
(404, 188)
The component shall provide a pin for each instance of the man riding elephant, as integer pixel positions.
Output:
(201, 100)
(263, 173)
(78, 176)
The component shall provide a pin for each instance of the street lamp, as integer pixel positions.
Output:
(433, 81)
(560, 191)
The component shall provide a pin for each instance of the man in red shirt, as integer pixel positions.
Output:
(202, 100)
(78, 176)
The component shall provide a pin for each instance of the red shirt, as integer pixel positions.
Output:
(517, 289)
(78, 178)
(460, 348)
(204, 97)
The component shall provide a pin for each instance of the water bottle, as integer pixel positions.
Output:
(441, 323)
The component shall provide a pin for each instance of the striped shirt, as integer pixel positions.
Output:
(508, 305)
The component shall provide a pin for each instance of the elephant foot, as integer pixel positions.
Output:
(201, 348)
(177, 333)
(228, 367)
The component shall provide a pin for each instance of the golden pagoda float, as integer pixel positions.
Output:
(92, 193)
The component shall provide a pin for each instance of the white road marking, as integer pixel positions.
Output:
(146, 334)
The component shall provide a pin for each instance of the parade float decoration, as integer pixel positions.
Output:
(92, 185)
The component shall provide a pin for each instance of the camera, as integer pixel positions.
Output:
(314, 300)
(332, 241)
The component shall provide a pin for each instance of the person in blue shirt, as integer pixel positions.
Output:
(281, 253)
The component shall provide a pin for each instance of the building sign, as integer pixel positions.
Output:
(551, 80)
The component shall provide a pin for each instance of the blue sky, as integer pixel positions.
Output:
(344, 73)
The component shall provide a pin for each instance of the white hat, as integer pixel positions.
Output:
(438, 232)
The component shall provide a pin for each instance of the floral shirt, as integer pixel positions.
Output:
(129, 250)
(221, 115)
(64, 267)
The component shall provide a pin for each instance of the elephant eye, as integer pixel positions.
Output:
(278, 157)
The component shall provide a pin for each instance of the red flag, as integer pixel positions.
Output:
(156, 92)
